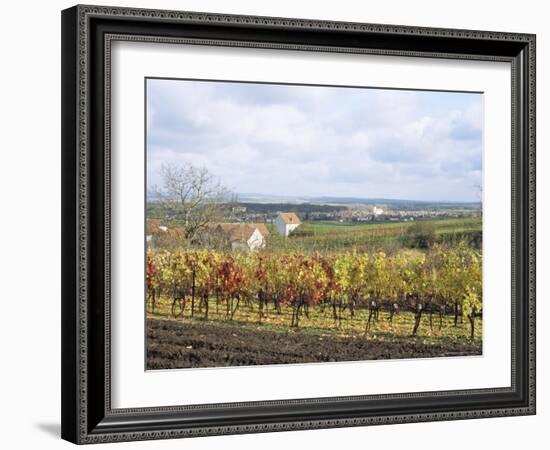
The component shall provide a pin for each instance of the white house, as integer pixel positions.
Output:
(377, 211)
(286, 222)
(245, 236)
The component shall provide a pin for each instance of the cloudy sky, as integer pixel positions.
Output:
(319, 141)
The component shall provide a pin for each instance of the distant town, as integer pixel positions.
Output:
(268, 212)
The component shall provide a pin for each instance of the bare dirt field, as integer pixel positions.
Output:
(191, 344)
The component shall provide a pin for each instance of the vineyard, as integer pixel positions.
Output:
(370, 295)
(366, 237)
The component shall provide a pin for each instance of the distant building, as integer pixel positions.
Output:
(244, 236)
(161, 236)
(286, 222)
(377, 211)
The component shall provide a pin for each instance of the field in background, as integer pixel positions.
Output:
(387, 236)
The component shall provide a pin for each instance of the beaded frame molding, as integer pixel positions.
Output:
(87, 35)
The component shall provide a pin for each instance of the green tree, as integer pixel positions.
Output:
(420, 235)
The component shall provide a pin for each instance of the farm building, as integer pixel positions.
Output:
(244, 236)
(286, 222)
(154, 229)
(261, 228)
(161, 236)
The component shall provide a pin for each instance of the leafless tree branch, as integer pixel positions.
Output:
(193, 197)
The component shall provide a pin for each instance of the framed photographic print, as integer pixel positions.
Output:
(281, 224)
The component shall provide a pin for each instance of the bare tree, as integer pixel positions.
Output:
(192, 197)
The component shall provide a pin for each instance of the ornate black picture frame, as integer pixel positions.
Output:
(87, 34)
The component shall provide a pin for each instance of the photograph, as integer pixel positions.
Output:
(294, 223)
(273, 222)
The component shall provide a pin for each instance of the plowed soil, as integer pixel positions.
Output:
(191, 344)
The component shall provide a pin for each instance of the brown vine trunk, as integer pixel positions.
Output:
(456, 313)
(193, 295)
(367, 327)
(472, 319)
(260, 306)
(417, 318)
(234, 310)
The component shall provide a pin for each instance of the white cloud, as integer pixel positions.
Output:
(298, 140)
